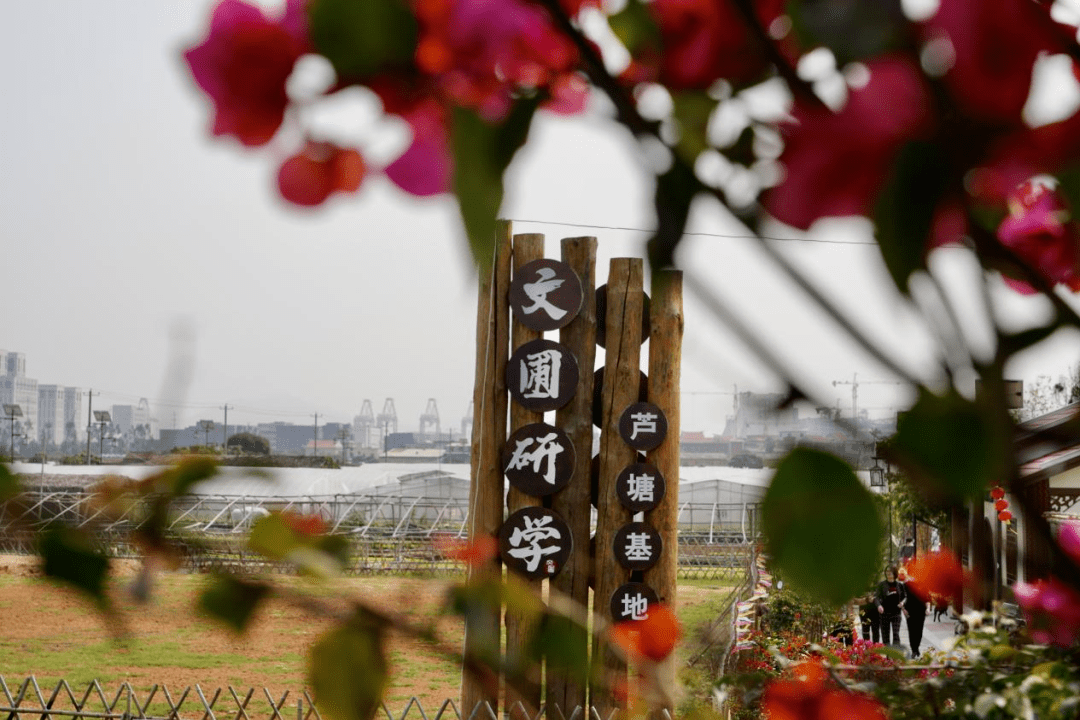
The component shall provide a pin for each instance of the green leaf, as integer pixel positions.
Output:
(675, 191)
(361, 37)
(272, 536)
(822, 528)
(905, 209)
(482, 152)
(950, 446)
(191, 471)
(852, 29)
(564, 643)
(692, 110)
(347, 670)
(232, 600)
(634, 27)
(9, 484)
(69, 555)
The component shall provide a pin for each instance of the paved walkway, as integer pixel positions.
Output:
(934, 633)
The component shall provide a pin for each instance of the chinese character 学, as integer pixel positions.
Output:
(638, 547)
(547, 448)
(540, 374)
(533, 534)
(642, 422)
(635, 607)
(641, 487)
(538, 292)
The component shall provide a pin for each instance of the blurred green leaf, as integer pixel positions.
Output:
(692, 110)
(336, 547)
(347, 670)
(564, 643)
(482, 152)
(232, 600)
(905, 209)
(361, 37)
(950, 447)
(70, 556)
(852, 29)
(272, 536)
(189, 472)
(635, 28)
(9, 484)
(822, 528)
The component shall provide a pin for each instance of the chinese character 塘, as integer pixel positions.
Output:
(641, 487)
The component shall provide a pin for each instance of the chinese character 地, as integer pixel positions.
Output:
(540, 374)
(641, 487)
(538, 292)
(638, 547)
(534, 533)
(546, 449)
(635, 606)
(642, 422)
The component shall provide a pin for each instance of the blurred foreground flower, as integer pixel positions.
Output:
(809, 694)
(319, 170)
(474, 553)
(1039, 228)
(653, 637)
(1052, 609)
(937, 573)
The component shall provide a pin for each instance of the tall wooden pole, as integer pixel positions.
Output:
(521, 703)
(573, 502)
(665, 351)
(482, 631)
(622, 370)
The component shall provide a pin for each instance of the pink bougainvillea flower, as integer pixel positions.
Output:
(426, 167)
(993, 45)
(1069, 540)
(242, 65)
(1039, 228)
(319, 170)
(1052, 610)
(705, 40)
(837, 163)
(937, 573)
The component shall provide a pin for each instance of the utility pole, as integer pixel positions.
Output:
(315, 448)
(89, 424)
(342, 435)
(225, 434)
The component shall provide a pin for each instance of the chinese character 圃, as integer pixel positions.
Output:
(643, 422)
(638, 547)
(534, 533)
(635, 607)
(540, 374)
(641, 487)
(538, 292)
(547, 448)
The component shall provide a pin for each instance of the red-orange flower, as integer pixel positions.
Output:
(653, 637)
(319, 170)
(474, 553)
(809, 695)
(939, 573)
(304, 524)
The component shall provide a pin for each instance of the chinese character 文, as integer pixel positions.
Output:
(540, 374)
(638, 547)
(547, 448)
(538, 292)
(635, 607)
(641, 487)
(534, 533)
(643, 422)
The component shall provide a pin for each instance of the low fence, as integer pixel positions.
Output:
(28, 700)
(387, 534)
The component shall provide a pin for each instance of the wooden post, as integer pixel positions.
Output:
(527, 247)
(573, 502)
(489, 437)
(622, 370)
(665, 350)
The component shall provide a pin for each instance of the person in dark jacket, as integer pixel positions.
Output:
(890, 597)
(915, 611)
(869, 617)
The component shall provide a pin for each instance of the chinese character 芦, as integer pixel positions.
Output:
(642, 422)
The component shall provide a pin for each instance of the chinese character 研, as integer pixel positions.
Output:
(534, 533)
(546, 449)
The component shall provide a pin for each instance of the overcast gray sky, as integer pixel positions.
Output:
(123, 224)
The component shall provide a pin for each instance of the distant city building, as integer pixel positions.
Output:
(15, 363)
(129, 418)
(51, 414)
(758, 414)
(74, 422)
(17, 389)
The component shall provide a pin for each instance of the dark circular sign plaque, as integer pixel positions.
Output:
(640, 487)
(643, 426)
(632, 602)
(545, 294)
(535, 543)
(542, 375)
(538, 459)
(601, 316)
(637, 546)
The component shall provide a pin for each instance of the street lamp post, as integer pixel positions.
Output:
(102, 418)
(879, 479)
(207, 426)
(12, 411)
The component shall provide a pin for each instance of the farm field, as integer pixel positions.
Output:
(51, 633)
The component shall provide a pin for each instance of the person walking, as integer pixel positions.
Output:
(914, 608)
(890, 597)
(869, 617)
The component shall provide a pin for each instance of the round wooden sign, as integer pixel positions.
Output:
(640, 487)
(643, 426)
(542, 375)
(535, 543)
(538, 459)
(545, 294)
(632, 602)
(637, 546)
(601, 316)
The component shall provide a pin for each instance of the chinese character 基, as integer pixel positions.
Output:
(637, 546)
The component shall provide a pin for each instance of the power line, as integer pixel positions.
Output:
(727, 236)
